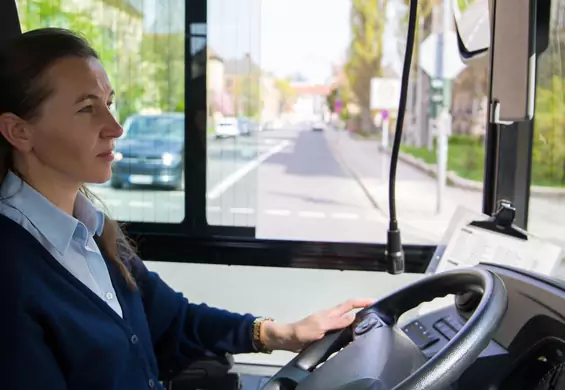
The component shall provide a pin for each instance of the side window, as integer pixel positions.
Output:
(141, 45)
(547, 189)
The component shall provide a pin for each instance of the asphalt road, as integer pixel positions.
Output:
(289, 184)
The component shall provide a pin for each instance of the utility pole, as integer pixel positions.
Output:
(441, 111)
(420, 129)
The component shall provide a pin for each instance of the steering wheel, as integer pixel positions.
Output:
(374, 354)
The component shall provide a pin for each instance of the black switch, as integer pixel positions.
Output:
(369, 322)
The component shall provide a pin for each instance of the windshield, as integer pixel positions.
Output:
(310, 161)
(154, 127)
(547, 199)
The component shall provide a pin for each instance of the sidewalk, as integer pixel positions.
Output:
(416, 193)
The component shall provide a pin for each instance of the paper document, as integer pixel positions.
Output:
(469, 245)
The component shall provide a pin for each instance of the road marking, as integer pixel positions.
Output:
(282, 213)
(141, 204)
(350, 216)
(241, 210)
(112, 202)
(311, 214)
(229, 181)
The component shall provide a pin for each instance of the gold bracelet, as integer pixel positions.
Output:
(257, 343)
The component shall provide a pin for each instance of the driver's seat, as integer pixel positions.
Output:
(208, 373)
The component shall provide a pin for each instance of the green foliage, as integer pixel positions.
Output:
(145, 73)
(368, 19)
(247, 95)
(288, 93)
(331, 99)
(548, 160)
(166, 55)
(465, 156)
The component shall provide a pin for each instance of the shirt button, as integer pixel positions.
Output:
(151, 383)
(109, 296)
(134, 339)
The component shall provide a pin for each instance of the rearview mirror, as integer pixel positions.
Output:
(473, 27)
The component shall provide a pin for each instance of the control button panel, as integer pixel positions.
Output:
(420, 335)
(370, 321)
(448, 326)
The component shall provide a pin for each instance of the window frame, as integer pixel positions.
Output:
(195, 241)
(508, 154)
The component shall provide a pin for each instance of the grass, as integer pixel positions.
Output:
(463, 4)
(465, 156)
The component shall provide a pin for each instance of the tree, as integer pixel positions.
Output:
(331, 99)
(288, 93)
(548, 165)
(247, 95)
(165, 53)
(114, 47)
(368, 19)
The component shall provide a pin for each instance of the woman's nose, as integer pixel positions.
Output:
(112, 128)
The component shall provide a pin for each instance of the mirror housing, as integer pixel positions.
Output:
(472, 23)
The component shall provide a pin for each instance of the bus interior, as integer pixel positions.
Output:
(503, 326)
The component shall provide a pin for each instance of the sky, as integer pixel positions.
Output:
(285, 36)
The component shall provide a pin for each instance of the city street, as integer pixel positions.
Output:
(298, 184)
(288, 183)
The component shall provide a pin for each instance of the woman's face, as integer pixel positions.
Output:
(73, 135)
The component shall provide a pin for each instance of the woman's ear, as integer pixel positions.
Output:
(16, 131)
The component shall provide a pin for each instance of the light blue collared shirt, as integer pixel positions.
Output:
(69, 239)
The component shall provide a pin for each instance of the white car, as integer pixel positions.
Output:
(227, 127)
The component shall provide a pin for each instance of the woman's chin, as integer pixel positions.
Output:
(101, 177)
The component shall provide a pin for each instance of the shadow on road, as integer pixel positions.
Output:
(310, 156)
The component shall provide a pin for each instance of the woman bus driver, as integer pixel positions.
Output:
(80, 309)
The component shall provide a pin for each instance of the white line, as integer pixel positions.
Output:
(141, 204)
(350, 216)
(112, 202)
(282, 213)
(241, 210)
(311, 214)
(229, 181)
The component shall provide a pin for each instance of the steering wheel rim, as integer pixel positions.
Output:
(436, 373)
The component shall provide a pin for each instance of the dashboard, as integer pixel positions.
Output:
(527, 351)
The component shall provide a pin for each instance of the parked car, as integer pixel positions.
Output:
(227, 127)
(318, 126)
(247, 126)
(151, 152)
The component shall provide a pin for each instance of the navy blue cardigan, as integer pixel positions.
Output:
(57, 334)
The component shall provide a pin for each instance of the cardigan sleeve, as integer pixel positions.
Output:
(182, 331)
(28, 362)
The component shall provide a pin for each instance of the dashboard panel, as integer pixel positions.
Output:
(527, 351)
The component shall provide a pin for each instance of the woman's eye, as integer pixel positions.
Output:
(87, 109)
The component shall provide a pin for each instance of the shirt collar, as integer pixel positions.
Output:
(56, 226)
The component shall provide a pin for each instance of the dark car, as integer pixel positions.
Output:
(151, 152)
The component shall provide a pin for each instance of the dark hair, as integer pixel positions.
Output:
(24, 61)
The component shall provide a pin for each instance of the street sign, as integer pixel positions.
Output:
(338, 106)
(385, 93)
(436, 96)
(452, 64)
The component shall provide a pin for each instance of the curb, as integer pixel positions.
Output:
(455, 180)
